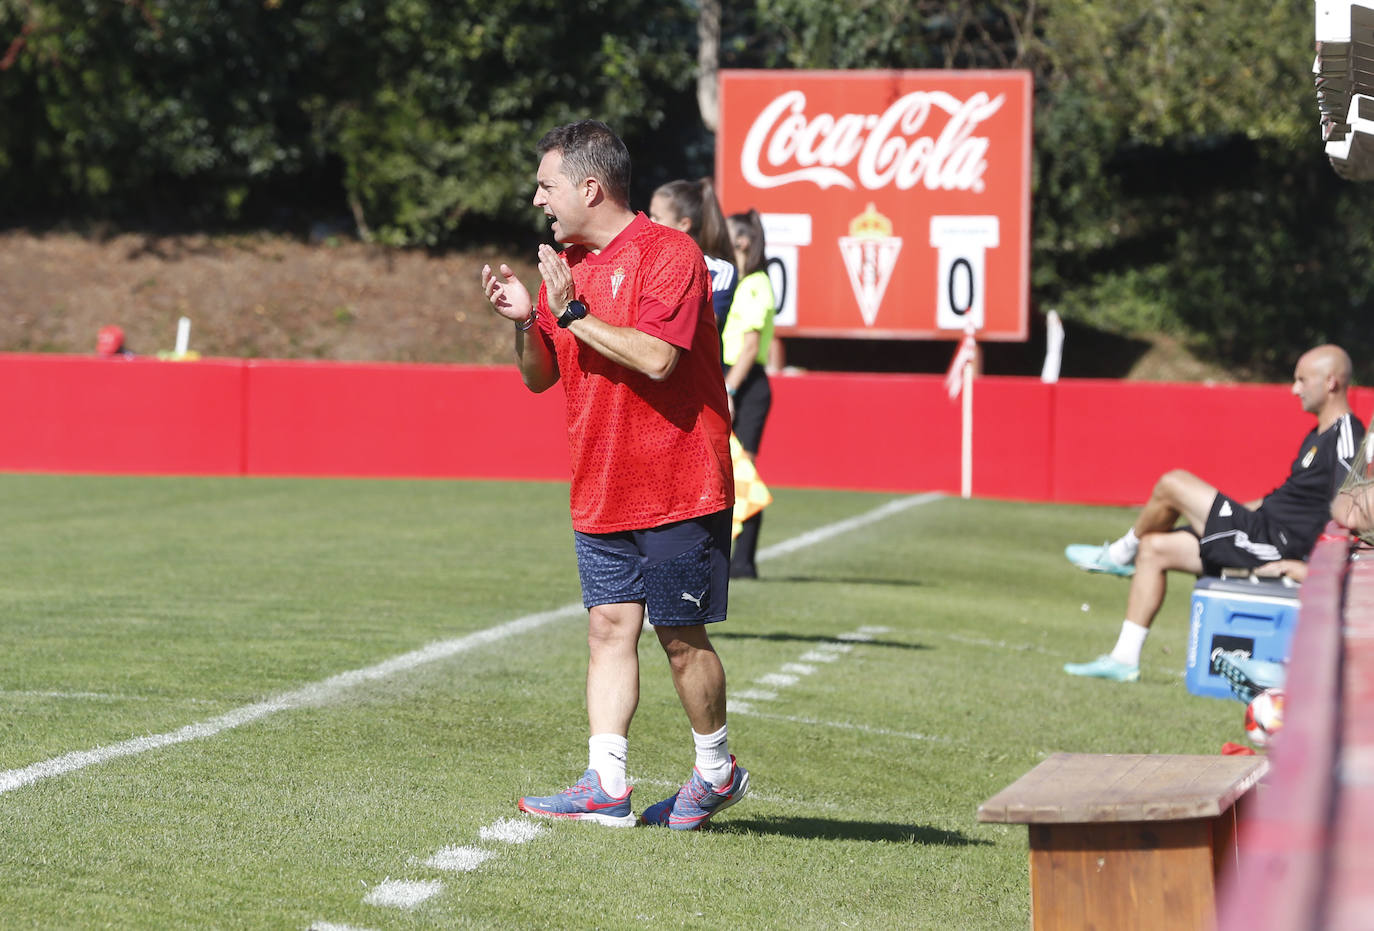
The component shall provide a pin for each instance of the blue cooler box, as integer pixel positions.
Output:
(1256, 617)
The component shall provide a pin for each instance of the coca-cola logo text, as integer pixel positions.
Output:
(874, 150)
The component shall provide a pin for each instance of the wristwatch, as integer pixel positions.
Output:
(576, 310)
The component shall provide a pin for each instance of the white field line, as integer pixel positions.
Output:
(74, 696)
(842, 725)
(101, 697)
(327, 689)
(398, 893)
(821, 534)
(1002, 645)
(313, 694)
(791, 674)
(511, 831)
(403, 893)
(459, 859)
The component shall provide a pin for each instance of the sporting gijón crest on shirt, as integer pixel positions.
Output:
(1302, 504)
(644, 453)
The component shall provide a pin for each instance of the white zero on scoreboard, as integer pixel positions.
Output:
(961, 244)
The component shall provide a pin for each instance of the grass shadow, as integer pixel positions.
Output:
(813, 638)
(834, 829)
(836, 580)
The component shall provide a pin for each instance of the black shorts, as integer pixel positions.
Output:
(752, 403)
(1237, 537)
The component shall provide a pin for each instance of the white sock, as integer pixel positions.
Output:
(713, 756)
(1122, 551)
(606, 753)
(1129, 643)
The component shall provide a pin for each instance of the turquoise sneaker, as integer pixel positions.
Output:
(1104, 667)
(1095, 559)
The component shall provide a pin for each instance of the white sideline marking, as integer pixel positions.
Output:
(327, 689)
(403, 893)
(101, 696)
(844, 725)
(754, 695)
(821, 534)
(511, 831)
(313, 694)
(82, 696)
(459, 859)
(1003, 645)
(330, 926)
(828, 651)
(816, 656)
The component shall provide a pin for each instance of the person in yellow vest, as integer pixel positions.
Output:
(745, 339)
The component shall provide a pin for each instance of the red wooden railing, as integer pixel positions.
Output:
(1306, 854)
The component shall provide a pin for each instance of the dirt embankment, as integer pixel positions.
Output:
(254, 296)
(268, 296)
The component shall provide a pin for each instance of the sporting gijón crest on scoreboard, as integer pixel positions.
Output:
(870, 254)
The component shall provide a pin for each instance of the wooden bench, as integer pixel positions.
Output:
(1127, 840)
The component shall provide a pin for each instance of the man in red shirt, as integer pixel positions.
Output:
(623, 319)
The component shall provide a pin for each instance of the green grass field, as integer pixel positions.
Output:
(887, 678)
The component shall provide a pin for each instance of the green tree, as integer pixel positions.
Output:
(420, 116)
(434, 109)
(112, 106)
(1181, 185)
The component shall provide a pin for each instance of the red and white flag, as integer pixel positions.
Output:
(964, 355)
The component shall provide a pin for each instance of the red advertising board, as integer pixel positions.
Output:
(896, 203)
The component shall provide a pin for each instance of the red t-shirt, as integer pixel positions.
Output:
(644, 453)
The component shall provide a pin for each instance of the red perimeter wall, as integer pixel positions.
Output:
(1081, 440)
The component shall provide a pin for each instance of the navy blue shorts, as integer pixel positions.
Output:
(680, 571)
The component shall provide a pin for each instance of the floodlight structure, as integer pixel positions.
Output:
(1344, 76)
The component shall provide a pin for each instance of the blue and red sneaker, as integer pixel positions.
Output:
(585, 801)
(697, 802)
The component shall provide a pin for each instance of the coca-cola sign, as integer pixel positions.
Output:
(903, 146)
(897, 202)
